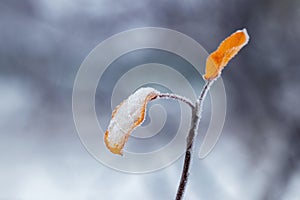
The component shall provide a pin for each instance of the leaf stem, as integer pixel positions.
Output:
(177, 97)
(196, 116)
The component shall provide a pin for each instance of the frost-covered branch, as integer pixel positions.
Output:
(131, 112)
(177, 97)
(196, 115)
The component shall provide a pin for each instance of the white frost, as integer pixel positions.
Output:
(126, 117)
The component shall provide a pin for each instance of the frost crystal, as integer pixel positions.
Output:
(127, 116)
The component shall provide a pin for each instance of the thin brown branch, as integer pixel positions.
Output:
(196, 115)
(177, 97)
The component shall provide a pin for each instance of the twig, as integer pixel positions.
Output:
(196, 115)
(177, 97)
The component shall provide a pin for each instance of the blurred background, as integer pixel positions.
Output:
(42, 44)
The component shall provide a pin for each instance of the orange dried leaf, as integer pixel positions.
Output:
(127, 116)
(229, 47)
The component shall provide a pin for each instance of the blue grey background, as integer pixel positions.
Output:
(42, 44)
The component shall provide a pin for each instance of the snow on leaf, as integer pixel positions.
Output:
(229, 47)
(127, 116)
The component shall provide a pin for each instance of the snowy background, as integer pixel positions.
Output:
(42, 44)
